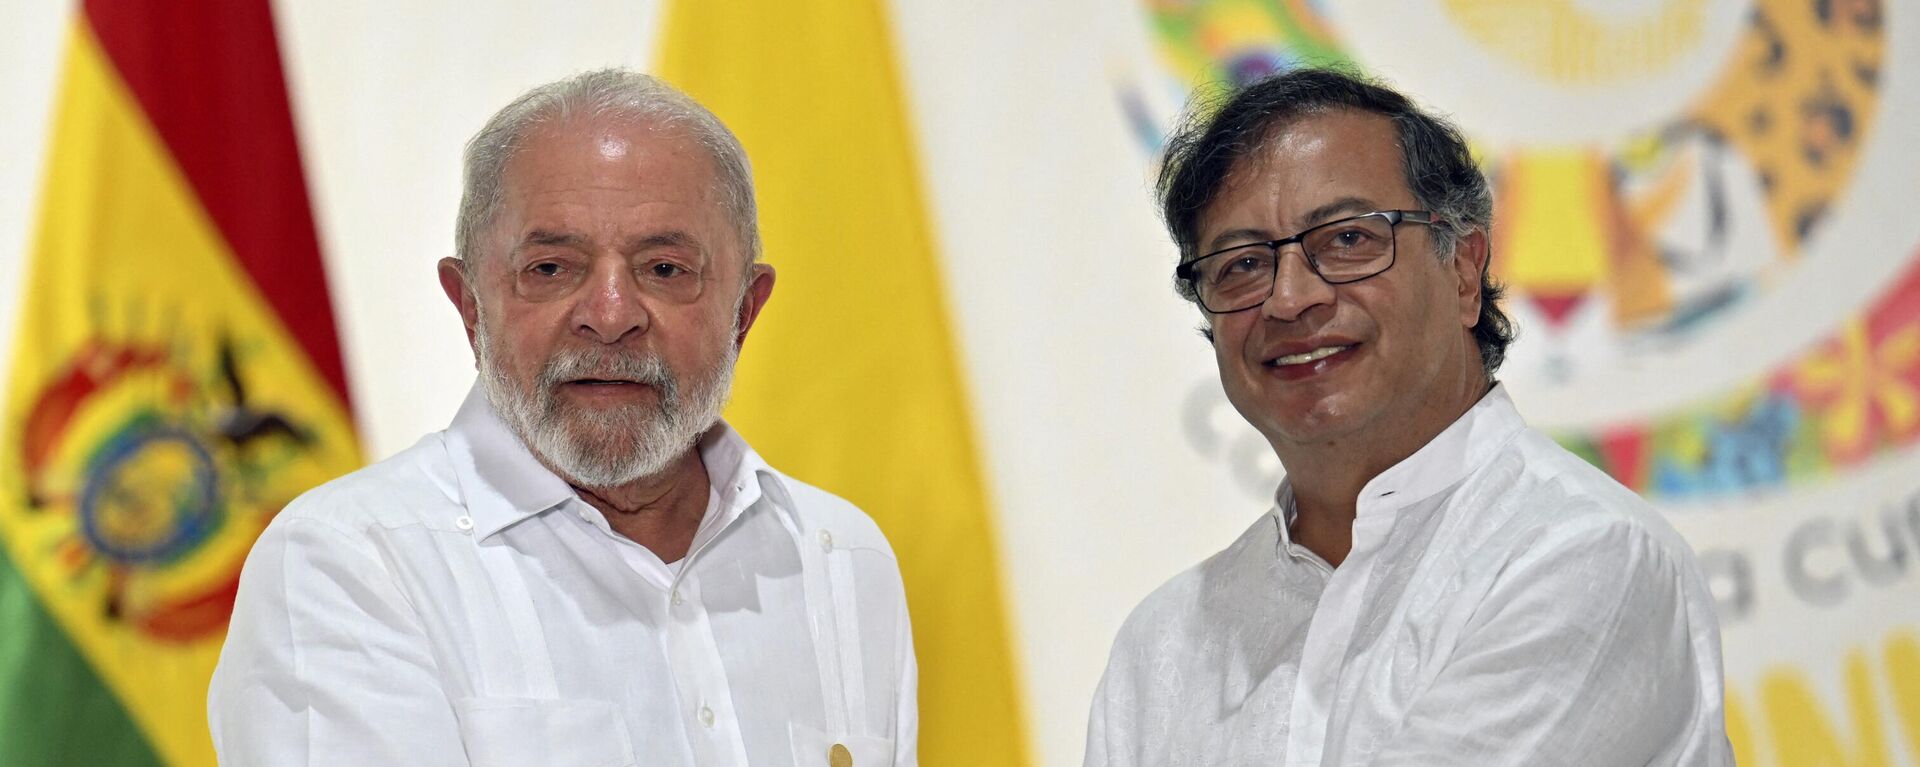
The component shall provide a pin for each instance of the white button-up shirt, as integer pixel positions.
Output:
(459, 604)
(1504, 604)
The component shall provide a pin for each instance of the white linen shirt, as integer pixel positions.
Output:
(1504, 603)
(459, 604)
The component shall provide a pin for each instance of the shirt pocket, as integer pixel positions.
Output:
(867, 601)
(812, 748)
(509, 732)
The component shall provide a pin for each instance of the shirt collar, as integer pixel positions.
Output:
(503, 483)
(739, 477)
(500, 480)
(1457, 451)
(1284, 511)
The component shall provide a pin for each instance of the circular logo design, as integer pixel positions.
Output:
(151, 495)
(161, 472)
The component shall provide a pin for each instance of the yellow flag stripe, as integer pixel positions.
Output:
(850, 379)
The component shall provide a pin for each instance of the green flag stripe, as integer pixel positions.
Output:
(55, 710)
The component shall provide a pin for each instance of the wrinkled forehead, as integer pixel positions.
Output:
(600, 145)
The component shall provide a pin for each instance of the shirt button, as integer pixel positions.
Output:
(826, 541)
(706, 717)
(586, 516)
(465, 523)
(676, 597)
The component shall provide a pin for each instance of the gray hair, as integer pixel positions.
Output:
(615, 93)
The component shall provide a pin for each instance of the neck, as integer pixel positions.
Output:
(1327, 477)
(661, 512)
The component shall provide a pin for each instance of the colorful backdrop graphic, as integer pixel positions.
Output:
(1706, 213)
(1851, 398)
(1641, 221)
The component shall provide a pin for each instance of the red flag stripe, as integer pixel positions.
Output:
(208, 75)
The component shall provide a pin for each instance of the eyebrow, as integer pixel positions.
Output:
(667, 239)
(673, 238)
(545, 237)
(1345, 206)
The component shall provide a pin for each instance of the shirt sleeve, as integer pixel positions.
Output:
(906, 735)
(1097, 731)
(1584, 652)
(325, 662)
(1117, 733)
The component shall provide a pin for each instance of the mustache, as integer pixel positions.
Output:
(638, 367)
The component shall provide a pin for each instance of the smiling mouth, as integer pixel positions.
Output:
(1307, 357)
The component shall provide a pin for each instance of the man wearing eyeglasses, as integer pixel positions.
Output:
(1436, 584)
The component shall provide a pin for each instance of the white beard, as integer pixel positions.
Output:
(601, 448)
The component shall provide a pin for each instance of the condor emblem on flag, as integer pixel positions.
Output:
(176, 380)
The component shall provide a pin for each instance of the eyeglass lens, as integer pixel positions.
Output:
(1341, 251)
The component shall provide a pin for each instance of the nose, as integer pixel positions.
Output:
(612, 308)
(1296, 288)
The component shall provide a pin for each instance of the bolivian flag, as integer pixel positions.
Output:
(176, 380)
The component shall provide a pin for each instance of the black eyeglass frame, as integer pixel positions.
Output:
(1185, 273)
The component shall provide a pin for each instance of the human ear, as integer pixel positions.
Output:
(1471, 256)
(759, 289)
(453, 282)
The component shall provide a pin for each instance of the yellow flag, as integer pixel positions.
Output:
(850, 380)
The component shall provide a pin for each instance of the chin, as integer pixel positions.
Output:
(1319, 420)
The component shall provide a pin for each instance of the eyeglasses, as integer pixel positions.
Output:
(1348, 250)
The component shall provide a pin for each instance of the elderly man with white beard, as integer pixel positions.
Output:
(587, 567)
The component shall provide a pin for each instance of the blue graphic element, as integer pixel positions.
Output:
(1744, 454)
